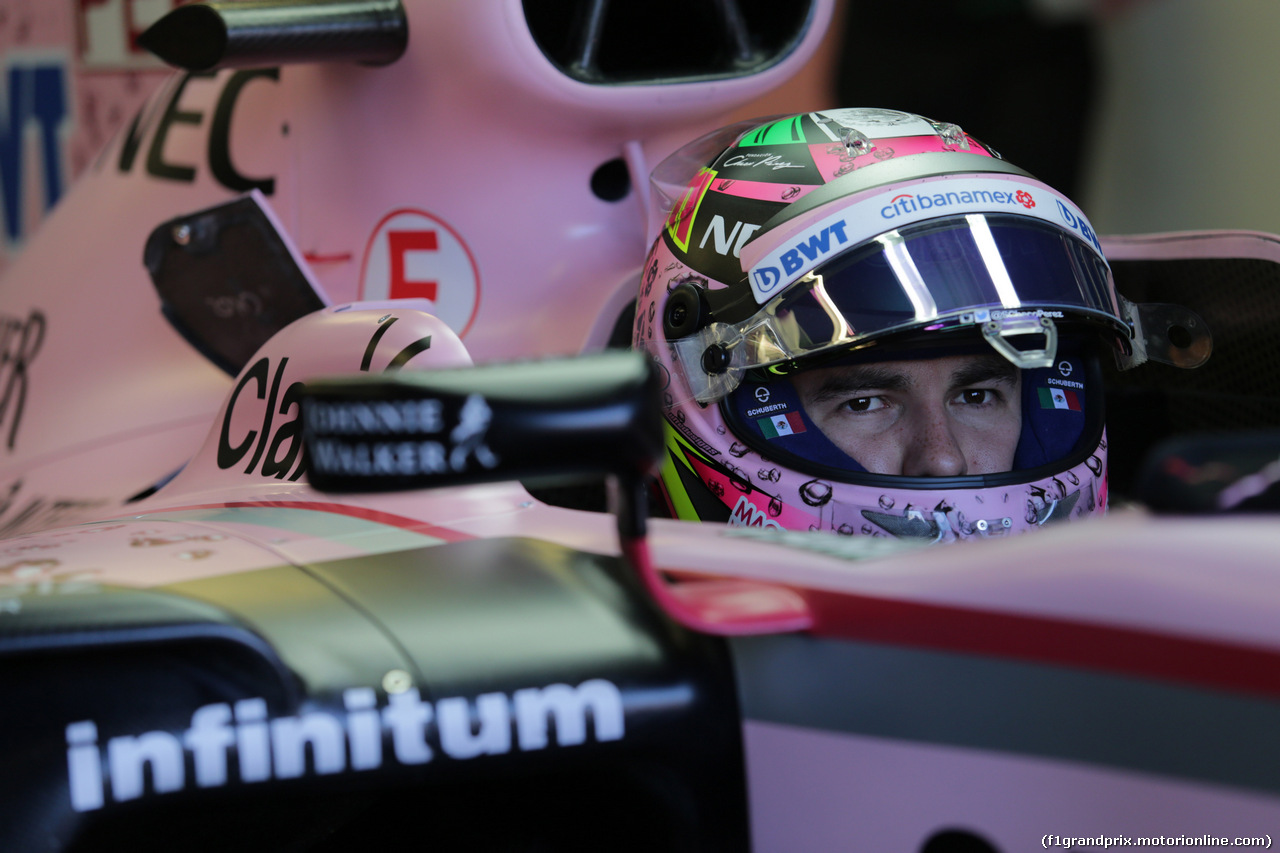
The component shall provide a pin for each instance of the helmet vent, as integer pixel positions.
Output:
(602, 43)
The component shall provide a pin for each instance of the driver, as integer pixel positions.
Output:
(874, 325)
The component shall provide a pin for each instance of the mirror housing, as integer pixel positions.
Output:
(549, 420)
(1230, 472)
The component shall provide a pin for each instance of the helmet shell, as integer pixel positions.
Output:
(742, 201)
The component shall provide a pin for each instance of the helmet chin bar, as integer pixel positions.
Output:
(999, 331)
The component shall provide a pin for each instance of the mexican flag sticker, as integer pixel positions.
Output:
(1058, 398)
(780, 425)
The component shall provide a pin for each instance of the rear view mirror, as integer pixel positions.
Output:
(1213, 473)
(540, 420)
(228, 279)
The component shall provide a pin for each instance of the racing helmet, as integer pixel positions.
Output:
(864, 236)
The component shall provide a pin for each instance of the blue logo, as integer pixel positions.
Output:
(812, 248)
(36, 96)
(767, 278)
(1078, 224)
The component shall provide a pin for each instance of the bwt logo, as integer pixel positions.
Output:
(767, 278)
(807, 251)
(1079, 224)
(813, 247)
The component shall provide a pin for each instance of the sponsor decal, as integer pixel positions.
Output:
(727, 242)
(788, 423)
(1076, 222)
(276, 445)
(267, 446)
(20, 340)
(360, 736)
(401, 358)
(695, 439)
(413, 254)
(680, 221)
(823, 238)
(1058, 398)
(158, 121)
(332, 420)
(747, 514)
(1065, 383)
(33, 129)
(801, 254)
(906, 203)
(753, 413)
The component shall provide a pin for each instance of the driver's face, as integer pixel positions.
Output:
(941, 417)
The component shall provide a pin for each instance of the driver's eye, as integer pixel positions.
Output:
(975, 396)
(864, 404)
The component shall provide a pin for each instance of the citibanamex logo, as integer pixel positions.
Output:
(1024, 198)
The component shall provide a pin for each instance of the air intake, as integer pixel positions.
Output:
(665, 41)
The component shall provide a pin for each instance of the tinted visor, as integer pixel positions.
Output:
(943, 274)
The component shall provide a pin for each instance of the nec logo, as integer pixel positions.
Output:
(730, 242)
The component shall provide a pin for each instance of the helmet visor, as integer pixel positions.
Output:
(973, 271)
(958, 272)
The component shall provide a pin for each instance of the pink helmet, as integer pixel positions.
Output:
(860, 236)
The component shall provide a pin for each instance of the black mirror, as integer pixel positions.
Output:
(537, 420)
(1213, 473)
(228, 279)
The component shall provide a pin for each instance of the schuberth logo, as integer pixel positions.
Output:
(226, 741)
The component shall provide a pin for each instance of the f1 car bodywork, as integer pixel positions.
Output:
(239, 642)
(432, 651)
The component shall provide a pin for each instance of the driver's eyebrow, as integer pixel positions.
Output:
(849, 380)
(986, 369)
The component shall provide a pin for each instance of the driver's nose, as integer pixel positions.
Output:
(932, 449)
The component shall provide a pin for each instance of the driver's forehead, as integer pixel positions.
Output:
(954, 371)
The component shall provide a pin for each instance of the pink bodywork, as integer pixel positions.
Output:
(114, 401)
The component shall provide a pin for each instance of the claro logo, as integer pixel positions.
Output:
(276, 453)
(354, 739)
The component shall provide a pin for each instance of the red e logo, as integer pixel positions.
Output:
(414, 255)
